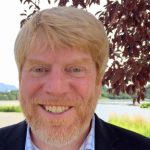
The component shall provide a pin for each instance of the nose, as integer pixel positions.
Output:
(56, 83)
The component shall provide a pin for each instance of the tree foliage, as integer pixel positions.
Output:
(128, 28)
(127, 23)
(11, 95)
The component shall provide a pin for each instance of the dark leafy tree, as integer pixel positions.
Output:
(128, 28)
(127, 23)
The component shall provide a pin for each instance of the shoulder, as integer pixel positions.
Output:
(121, 137)
(12, 133)
(9, 130)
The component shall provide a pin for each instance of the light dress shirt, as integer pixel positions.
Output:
(88, 144)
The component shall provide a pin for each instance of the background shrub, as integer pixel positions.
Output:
(10, 108)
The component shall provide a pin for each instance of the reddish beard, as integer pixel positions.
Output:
(54, 132)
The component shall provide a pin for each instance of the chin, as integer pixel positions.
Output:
(57, 135)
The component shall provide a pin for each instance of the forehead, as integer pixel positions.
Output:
(45, 54)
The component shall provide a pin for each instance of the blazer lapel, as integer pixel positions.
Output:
(104, 138)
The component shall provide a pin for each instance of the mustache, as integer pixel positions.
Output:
(58, 101)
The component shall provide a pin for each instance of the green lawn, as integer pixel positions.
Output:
(136, 124)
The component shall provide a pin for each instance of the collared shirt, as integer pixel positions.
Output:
(88, 144)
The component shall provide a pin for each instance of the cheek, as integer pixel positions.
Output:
(85, 88)
(28, 86)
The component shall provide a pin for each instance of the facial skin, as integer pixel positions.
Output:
(63, 82)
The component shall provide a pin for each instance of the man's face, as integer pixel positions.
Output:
(58, 93)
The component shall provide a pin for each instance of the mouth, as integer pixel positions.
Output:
(56, 109)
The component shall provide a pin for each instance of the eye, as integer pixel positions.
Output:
(76, 71)
(39, 70)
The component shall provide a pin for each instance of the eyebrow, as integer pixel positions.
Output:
(32, 62)
(83, 60)
(35, 61)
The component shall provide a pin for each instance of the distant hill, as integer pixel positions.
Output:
(7, 87)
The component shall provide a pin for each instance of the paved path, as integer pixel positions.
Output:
(10, 118)
(105, 110)
(5, 102)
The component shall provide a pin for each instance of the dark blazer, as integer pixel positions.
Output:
(107, 137)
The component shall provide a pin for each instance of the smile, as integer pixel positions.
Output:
(56, 109)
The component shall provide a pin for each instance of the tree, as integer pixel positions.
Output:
(127, 23)
(128, 28)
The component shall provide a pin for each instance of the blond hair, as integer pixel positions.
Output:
(64, 27)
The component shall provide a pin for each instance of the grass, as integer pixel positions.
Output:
(10, 108)
(136, 124)
(145, 105)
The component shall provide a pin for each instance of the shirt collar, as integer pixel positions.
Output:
(88, 144)
(29, 145)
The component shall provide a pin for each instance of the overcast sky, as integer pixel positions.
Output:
(9, 26)
(10, 11)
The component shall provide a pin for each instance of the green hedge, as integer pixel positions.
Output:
(11, 95)
(145, 105)
(10, 108)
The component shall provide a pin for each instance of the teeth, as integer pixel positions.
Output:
(56, 109)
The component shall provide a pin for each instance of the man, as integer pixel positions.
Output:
(61, 54)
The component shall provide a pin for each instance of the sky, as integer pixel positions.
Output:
(10, 18)
(9, 27)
